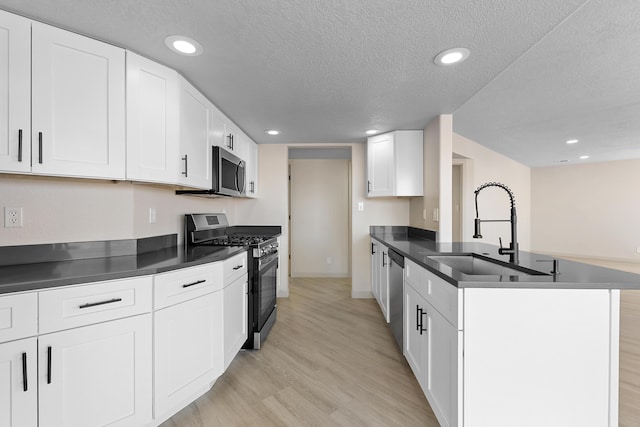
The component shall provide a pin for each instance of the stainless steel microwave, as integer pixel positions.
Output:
(228, 175)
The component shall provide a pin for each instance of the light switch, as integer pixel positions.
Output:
(152, 216)
(360, 206)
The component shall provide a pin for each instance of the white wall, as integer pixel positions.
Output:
(60, 210)
(590, 210)
(485, 165)
(437, 175)
(320, 218)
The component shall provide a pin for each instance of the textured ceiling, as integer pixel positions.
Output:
(324, 71)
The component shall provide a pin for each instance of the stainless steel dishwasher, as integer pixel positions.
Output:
(396, 292)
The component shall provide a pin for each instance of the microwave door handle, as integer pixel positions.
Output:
(239, 167)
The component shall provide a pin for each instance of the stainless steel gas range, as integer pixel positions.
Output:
(262, 243)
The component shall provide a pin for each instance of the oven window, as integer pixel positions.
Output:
(267, 291)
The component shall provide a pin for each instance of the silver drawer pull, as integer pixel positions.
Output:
(93, 304)
(238, 267)
(193, 284)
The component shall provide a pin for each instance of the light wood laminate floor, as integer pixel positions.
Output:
(330, 360)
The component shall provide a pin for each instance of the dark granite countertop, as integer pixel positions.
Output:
(41, 275)
(418, 246)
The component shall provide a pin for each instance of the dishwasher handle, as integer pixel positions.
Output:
(396, 258)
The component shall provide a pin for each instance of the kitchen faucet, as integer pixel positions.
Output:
(512, 250)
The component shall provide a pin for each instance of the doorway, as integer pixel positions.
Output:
(319, 214)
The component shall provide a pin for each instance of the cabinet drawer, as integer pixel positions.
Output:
(75, 306)
(443, 296)
(18, 316)
(185, 284)
(235, 267)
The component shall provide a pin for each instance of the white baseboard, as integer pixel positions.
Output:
(361, 294)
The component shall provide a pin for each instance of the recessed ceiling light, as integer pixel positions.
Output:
(371, 131)
(572, 141)
(272, 132)
(584, 157)
(183, 45)
(452, 56)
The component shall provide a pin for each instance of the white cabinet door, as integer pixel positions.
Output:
(380, 166)
(195, 147)
(235, 318)
(218, 128)
(15, 93)
(443, 367)
(375, 269)
(252, 169)
(18, 383)
(395, 164)
(383, 299)
(415, 340)
(78, 105)
(188, 352)
(152, 121)
(96, 375)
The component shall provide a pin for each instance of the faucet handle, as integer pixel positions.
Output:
(500, 240)
(556, 265)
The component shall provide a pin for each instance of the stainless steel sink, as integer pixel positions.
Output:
(475, 265)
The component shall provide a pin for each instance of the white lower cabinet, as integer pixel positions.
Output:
(96, 375)
(375, 270)
(18, 383)
(525, 357)
(443, 368)
(188, 352)
(380, 276)
(100, 354)
(415, 342)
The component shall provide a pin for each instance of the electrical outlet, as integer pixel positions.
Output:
(436, 214)
(152, 215)
(12, 217)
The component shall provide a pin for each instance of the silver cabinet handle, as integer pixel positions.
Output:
(186, 166)
(40, 147)
(193, 284)
(93, 304)
(20, 147)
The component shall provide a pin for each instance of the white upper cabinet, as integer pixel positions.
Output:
(15, 93)
(152, 121)
(395, 164)
(218, 128)
(78, 105)
(195, 146)
(252, 169)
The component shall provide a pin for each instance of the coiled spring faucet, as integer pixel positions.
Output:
(512, 250)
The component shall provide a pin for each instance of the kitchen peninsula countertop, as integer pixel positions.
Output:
(42, 275)
(418, 245)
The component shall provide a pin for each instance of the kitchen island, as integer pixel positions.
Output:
(530, 348)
